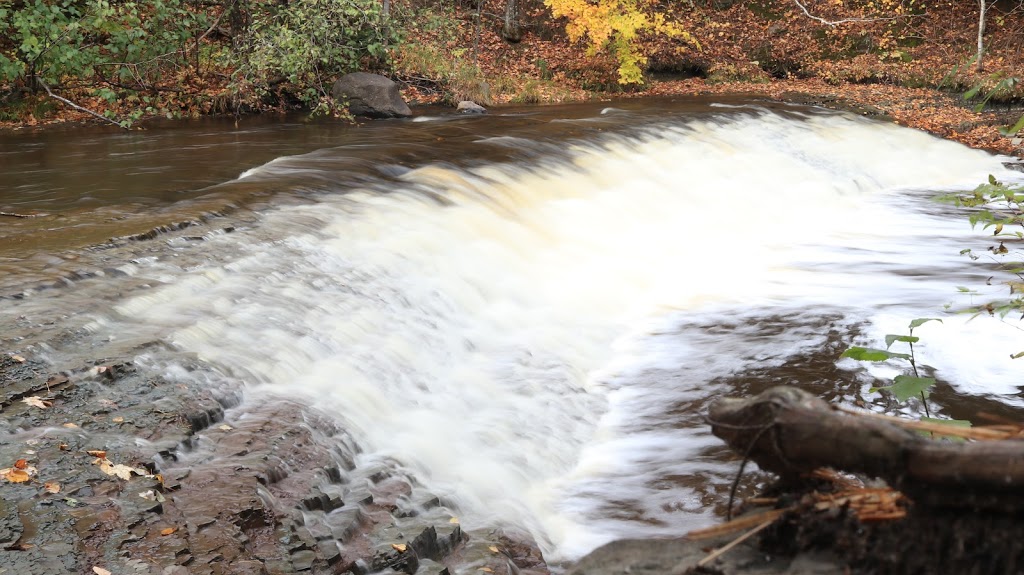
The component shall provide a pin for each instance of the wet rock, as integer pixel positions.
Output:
(470, 107)
(370, 95)
(402, 559)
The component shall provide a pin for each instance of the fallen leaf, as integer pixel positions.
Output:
(18, 358)
(21, 464)
(52, 487)
(118, 420)
(487, 570)
(119, 469)
(494, 549)
(37, 401)
(225, 427)
(98, 453)
(15, 475)
(64, 447)
(70, 426)
(400, 547)
(168, 531)
(152, 495)
(100, 571)
(453, 520)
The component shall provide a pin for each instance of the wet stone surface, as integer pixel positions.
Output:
(207, 487)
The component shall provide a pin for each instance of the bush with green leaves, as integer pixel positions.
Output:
(123, 44)
(304, 45)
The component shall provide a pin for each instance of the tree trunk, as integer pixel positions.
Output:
(511, 31)
(982, 11)
(790, 432)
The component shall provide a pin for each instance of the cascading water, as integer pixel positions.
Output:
(533, 330)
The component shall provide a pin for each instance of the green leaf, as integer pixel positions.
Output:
(893, 338)
(871, 354)
(1013, 129)
(923, 320)
(906, 386)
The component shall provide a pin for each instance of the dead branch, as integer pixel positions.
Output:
(838, 22)
(14, 215)
(790, 432)
(77, 107)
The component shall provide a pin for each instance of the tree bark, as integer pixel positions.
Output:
(790, 432)
(511, 31)
(982, 13)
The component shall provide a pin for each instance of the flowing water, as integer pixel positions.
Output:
(527, 311)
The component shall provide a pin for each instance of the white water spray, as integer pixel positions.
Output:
(521, 343)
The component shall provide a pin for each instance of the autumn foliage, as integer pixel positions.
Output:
(616, 26)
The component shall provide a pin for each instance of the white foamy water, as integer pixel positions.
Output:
(533, 341)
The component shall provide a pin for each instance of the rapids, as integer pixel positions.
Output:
(528, 312)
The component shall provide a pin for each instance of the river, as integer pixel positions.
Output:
(526, 311)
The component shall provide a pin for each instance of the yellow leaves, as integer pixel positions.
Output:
(168, 531)
(400, 547)
(615, 25)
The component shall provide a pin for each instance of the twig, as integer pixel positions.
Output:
(76, 106)
(728, 546)
(735, 525)
(980, 433)
(14, 215)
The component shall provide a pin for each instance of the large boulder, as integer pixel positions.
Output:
(370, 95)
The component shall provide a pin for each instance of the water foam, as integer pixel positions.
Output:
(509, 331)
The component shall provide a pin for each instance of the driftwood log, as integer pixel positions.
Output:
(790, 432)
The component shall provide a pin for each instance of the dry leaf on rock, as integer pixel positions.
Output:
(36, 401)
(100, 571)
(21, 464)
(17, 475)
(118, 469)
(18, 358)
(70, 426)
(152, 495)
(168, 531)
(118, 420)
(400, 547)
(52, 487)
(225, 427)
(98, 453)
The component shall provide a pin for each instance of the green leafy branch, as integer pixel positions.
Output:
(999, 207)
(903, 386)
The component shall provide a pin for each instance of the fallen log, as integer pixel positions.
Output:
(790, 432)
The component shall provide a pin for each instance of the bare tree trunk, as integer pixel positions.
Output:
(982, 12)
(511, 30)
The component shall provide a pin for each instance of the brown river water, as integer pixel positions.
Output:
(526, 311)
